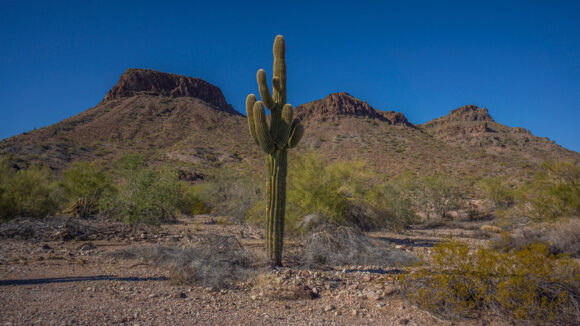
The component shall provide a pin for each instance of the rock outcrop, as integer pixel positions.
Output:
(155, 83)
(343, 104)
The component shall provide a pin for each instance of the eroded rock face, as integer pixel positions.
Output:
(343, 104)
(470, 113)
(149, 82)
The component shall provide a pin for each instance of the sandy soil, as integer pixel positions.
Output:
(80, 283)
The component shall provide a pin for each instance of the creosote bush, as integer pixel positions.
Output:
(554, 191)
(343, 193)
(84, 185)
(31, 192)
(145, 195)
(529, 285)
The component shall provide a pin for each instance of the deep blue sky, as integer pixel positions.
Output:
(520, 59)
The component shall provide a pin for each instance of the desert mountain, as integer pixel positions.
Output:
(182, 120)
(338, 105)
(163, 116)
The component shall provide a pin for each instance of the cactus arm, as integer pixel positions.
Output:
(261, 127)
(280, 68)
(296, 134)
(285, 125)
(250, 101)
(264, 90)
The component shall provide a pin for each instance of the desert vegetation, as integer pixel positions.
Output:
(525, 271)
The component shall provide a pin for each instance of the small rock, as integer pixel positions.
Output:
(329, 308)
(403, 321)
(373, 295)
(389, 289)
(46, 247)
(354, 312)
(337, 313)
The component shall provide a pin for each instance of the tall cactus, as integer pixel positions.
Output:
(282, 134)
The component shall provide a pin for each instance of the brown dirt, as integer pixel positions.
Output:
(80, 283)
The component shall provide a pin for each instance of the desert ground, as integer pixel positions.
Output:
(91, 280)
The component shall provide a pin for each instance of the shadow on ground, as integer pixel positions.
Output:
(79, 279)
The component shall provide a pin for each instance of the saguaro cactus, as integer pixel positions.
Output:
(282, 134)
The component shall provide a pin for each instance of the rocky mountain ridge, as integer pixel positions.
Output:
(155, 83)
(179, 120)
(341, 104)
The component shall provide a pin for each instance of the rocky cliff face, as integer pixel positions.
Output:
(343, 104)
(155, 83)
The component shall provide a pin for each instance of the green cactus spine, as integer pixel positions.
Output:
(283, 133)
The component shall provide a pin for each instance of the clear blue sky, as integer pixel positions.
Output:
(520, 59)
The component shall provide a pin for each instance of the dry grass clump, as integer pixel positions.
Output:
(527, 286)
(560, 238)
(218, 262)
(337, 246)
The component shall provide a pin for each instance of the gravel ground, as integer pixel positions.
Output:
(80, 283)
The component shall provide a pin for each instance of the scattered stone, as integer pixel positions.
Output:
(389, 290)
(329, 308)
(373, 295)
(354, 312)
(303, 292)
(404, 321)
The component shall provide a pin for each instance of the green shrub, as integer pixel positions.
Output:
(192, 203)
(344, 193)
(554, 191)
(440, 194)
(528, 285)
(31, 192)
(499, 191)
(145, 195)
(84, 185)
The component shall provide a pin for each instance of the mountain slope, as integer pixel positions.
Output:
(163, 116)
(180, 120)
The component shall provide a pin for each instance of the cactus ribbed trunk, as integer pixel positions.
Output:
(275, 140)
(276, 205)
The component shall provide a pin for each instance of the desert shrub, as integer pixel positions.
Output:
(192, 202)
(31, 192)
(145, 195)
(529, 285)
(215, 262)
(439, 194)
(84, 185)
(554, 191)
(231, 193)
(498, 190)
(343, 193)
(562, 237)
(336, 246)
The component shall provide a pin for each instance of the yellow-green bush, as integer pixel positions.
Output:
(529, 285)
(344, 193)
(84, 184)
(31, 192)
(439, 194)
(554, 191)
(498, 190)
